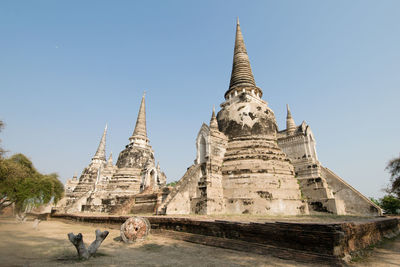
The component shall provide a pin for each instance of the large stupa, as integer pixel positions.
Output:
(245, 165)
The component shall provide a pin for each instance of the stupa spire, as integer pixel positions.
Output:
(290, 124)
(101, 150)
(241, 75)
(140, 131)
(110, 160)
(213, 121)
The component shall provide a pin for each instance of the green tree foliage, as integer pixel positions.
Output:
(394, 169)
(390, 204)
(376, 201)
(172, 183)
(22, 184)
(1, 149)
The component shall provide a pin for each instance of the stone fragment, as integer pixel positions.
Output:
(135, 229)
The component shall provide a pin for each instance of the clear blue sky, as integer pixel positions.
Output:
(69, 67)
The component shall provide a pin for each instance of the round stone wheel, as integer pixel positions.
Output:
(135, 229)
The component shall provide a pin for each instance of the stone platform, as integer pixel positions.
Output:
(305, 242)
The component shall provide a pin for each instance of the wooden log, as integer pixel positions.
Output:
(100, 236)
(21, 218)
(83, 252)
(35, 224)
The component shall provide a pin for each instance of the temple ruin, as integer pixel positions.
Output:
(104, 187)
(246, 165)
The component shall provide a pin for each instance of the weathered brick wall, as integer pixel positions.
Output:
(307, 242)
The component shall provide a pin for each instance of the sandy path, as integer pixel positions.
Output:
(48, 246)
(386, 254)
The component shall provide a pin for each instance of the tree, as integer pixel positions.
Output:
(390, 204)
(1, 149)
(394, 169)
(376, 201)
(23, 185)
(172, 183)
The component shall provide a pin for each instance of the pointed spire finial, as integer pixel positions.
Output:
(110, 159)
(237, 20)
(289, 114)
(213, 121)
(241, 76)
(101, 150)
(290, 124)
(140, 127)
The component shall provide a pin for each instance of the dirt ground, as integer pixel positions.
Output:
(21, 245)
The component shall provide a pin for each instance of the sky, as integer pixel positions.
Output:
(69, 67)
